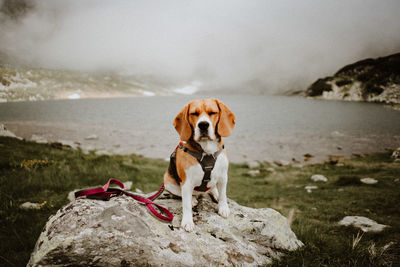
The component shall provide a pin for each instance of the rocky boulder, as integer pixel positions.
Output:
(122, 232)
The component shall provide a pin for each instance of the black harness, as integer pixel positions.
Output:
(206, 161)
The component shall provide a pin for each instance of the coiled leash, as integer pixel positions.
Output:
(106, 192)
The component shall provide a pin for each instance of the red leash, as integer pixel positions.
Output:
(106, 192)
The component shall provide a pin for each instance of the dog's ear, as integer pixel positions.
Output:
(226, 121)
(181, 123)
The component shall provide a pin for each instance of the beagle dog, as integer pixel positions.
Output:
(200, 164)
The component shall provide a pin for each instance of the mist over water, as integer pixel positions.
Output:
(237, 46)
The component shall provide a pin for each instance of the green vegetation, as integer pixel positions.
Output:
(46, 173)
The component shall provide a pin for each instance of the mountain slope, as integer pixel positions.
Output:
(372, 80)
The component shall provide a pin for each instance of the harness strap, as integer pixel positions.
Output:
(106, 192)
(206, 161)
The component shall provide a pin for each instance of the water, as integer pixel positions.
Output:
(267, 127)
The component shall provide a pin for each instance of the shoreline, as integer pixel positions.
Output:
(268, 128)
(85, 140)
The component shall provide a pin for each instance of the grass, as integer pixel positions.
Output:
(45, 174)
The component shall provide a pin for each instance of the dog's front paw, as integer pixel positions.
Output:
(223, 210)
(188, 225)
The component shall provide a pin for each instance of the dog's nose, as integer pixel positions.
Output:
(203, 125)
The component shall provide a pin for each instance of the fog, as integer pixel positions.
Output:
(236, 45)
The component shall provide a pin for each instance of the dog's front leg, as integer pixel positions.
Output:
(187, 217)
(223, 208)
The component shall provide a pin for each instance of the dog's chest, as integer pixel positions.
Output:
(195, 173)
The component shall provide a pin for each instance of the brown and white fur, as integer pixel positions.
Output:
(201, 123)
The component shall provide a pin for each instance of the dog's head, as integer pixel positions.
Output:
(205, 119)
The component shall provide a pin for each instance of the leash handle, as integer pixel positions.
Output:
(105, 193)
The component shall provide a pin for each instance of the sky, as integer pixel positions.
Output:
(237, 45)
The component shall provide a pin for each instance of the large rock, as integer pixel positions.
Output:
(122, 232)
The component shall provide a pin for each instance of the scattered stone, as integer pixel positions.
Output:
(339, 148)
(396, 154)
(334, 159)
(122, 232)
(281, 162)
(268, 161)
(39, 139)
(270, 169)
(295, 160)
(369, 180)
(253, 164)
(253, 172)
(297, 165)
(308, 157)
(32, 206)
(29, 206)
(91, 137)
(71, 195)
(309, 188)
(319, 178)
(364, 223)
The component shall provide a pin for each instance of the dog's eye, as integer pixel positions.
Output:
(212, 113)
(194, 114)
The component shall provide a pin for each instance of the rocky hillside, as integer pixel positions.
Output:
(372, 80)
(29, 84)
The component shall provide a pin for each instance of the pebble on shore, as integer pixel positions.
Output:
(369, 180)
(319, 178)
(309, 188)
